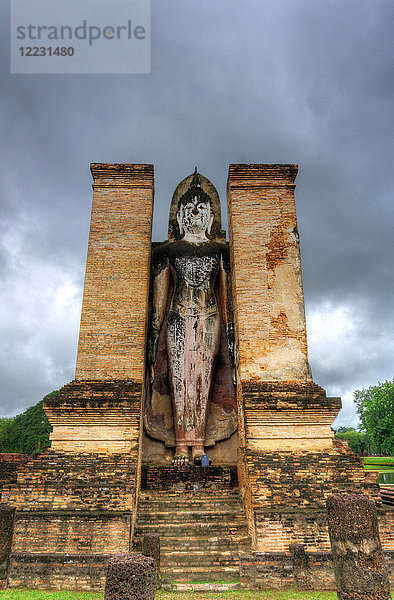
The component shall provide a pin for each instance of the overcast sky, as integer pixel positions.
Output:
(259, 81)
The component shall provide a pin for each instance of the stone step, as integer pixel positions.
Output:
(196, 574)
(190, 528)
(170, 496)
(182, 516)
(202, 541)
(201, 587)
(149, 510)
(242, 545)
(190, 499)
(200, 520)
(191, 560)
(179, 502)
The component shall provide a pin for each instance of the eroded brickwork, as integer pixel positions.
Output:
(96, 416)
(277, 570)
(291, 470)
(9, 465)
(288, 460)
(81, 572)
(69, 504)
(114, 308)
(266, 271)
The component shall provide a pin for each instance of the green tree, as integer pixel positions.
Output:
(375, 405)
(28, 432)
(359, 442)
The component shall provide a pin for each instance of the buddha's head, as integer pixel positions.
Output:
(195, 215)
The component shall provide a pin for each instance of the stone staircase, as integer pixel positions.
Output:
(198, 513)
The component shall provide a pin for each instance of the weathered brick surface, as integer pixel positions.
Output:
(287, 416)
(274, 570)
(386, 527)
(9, 465)
(72, 531)
(280, 570)
(64, 481)
(7, 515)
(164, 478)
(114, 308)
(96, 416)
(71, 503)
(266, 271)
(59, 571)
(289, 465)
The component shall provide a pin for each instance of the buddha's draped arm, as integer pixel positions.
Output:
(159, 302)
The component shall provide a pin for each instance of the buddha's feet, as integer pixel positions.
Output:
(180, 459)
(197, 454)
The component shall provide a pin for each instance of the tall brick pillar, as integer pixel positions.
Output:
(114, 309)
(267, 272)
(76, 503)
(100, 410)
(287, 462)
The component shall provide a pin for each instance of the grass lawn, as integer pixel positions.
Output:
(161, 595)
(379, 463)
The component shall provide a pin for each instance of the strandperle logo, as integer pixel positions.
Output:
(80, 36)
(86, 32)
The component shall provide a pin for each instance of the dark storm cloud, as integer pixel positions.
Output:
(258, 81)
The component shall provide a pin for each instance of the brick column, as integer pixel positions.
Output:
(284, 418)
(100, 410)
(114, 309)
(266, 270)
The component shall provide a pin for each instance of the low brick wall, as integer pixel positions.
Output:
(82, 572)
(275, 570)
(279, 528)
(72, 531)
(386, 527)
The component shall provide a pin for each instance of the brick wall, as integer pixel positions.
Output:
(62, 572)
(386, 527)
(114, 308)
(289, 465)
(71, 531)
(96, 416)
(266, 271)
(70, 504)
(9, 465)
(288, 460)
(276, 570)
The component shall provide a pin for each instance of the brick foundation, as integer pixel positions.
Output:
(80, 572)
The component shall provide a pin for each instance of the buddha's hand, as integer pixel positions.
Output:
(232, 347)
(152, 346)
